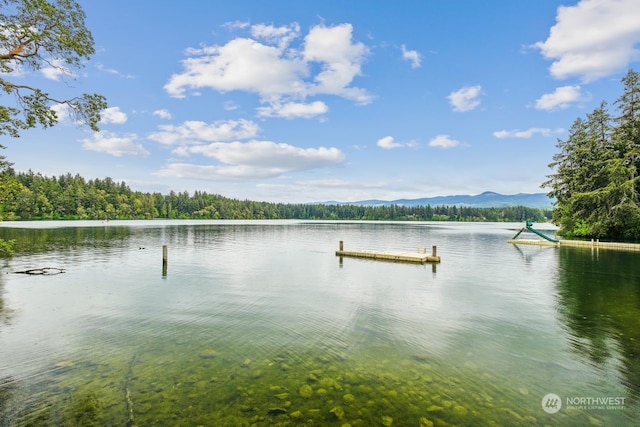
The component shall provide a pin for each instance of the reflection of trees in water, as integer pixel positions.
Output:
(599, 302)
(36, 241)
(5, 312)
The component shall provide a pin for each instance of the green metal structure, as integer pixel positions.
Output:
(529, 227)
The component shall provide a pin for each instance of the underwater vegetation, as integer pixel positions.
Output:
(200, 385)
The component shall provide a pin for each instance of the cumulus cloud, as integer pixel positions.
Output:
(560, 99)
(110, 143)
(223, 142)
(163, 114)
(268, 65)
(388, 143)
(528, 133)
(113, 115)
(340, 60)
(292, 110)
(198, 132)
(466, 98)
(253, 160)
(411, 56)
(443, 141)
(593, 39)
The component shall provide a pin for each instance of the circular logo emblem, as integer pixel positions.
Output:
(551, 403)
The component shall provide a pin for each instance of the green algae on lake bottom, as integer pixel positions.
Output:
(146, 386)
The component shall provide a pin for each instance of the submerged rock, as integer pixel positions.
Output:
(460, 411)
(276, 411)
(337, 412)
(208, 354)
(306, 391)
(296, 415)
(349, 398)
(426, 422)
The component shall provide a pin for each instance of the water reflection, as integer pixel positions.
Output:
(251, 315)
(599, 302)
(65, 239)
(5, 312)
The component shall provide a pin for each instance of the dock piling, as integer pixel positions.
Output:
(165, 260)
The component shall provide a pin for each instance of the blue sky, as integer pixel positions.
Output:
(301, 101)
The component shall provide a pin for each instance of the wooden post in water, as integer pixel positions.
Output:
(165, 260)
(341, 246)
(434, 250)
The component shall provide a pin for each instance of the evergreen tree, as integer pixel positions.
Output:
(595, 183)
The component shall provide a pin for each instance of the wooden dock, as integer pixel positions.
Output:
(420, 257)
(596, 244)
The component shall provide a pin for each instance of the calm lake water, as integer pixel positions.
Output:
(259, 323)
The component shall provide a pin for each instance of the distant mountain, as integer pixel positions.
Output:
(488, 199)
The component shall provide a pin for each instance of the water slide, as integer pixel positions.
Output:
(529, 227)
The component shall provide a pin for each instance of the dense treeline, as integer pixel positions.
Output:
(596, 183)
(29, 196)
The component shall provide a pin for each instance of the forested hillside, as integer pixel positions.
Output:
(30, 196)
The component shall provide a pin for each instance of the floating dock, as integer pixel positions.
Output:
(596, 244)
(414, 257)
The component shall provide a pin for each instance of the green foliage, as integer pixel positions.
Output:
(29, 196)
(596, 183)
(34, 34)
(6, 247)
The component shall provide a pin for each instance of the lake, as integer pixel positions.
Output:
(259, 323)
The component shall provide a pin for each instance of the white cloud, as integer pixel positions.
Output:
(113, 115)
(341, 61)
(163, 114)
(271, 155)
(560, 99)
(443, 141)
(242, 64)
(528, 133)
(113, 71)
(466, 98)
(388, 143)
(230, 106)
(110, 143)
(593, 39)
(294, 109)
(236, 25)
(56, 71)
(411, 56)
(253, 160)
(62, 111)
(274, 70)
(216, 173)
(280, 36)
(198, 132)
